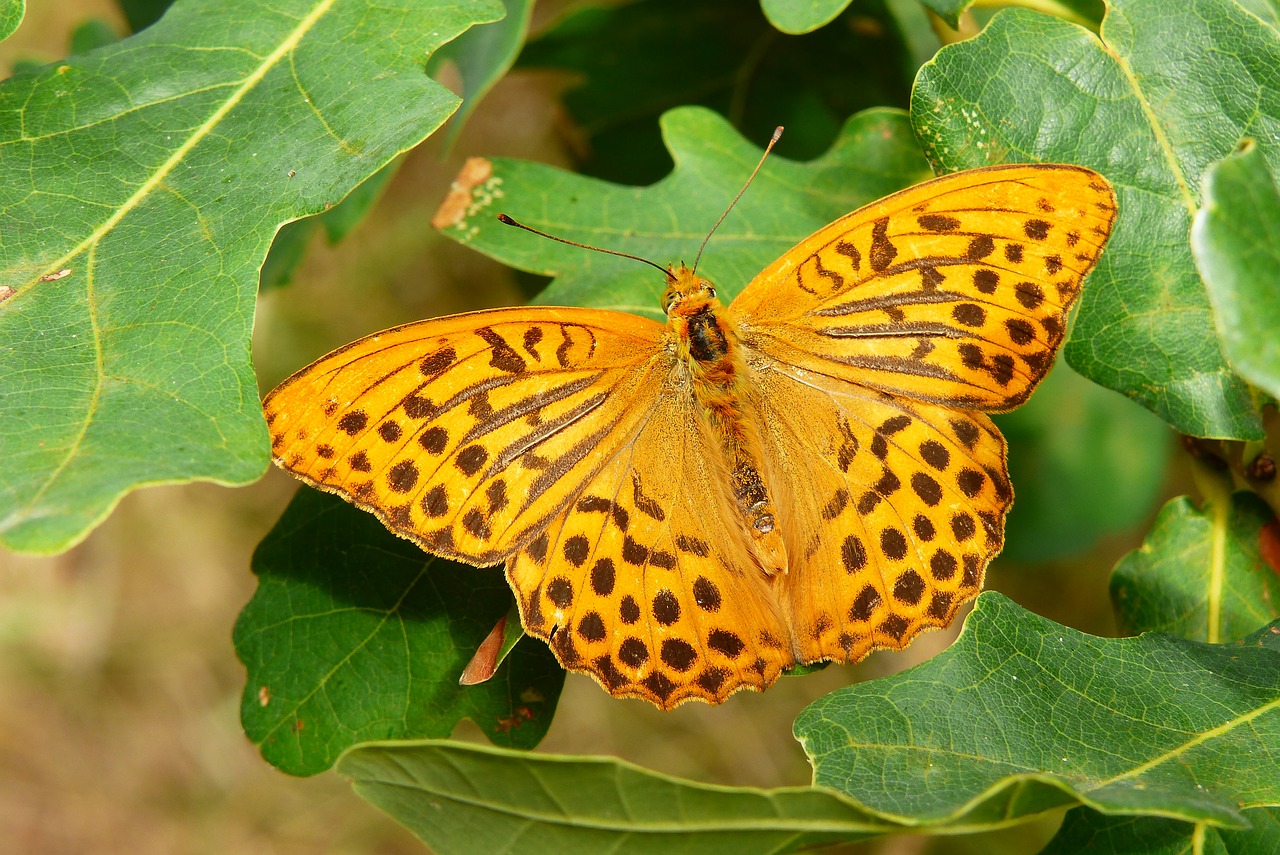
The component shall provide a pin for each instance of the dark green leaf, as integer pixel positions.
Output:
(633, 65)
(1268, 637)
(91, 35)
(1236, 242)
(948, 10)
(466, 799)
(874, 156)
(482, 55)
(1086, 830)
(1200, 573)
(1022, 715)
(1150, 105)
(11, 15)
(143, 13)
(141, 187)
(26, 66)
(355, 634)
(1084, 463)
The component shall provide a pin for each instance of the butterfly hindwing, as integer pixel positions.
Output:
(901, 510)
(955, 291)
(646, 582)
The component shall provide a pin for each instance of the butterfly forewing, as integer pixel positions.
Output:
(468, 434)
(647, 582)
(955, 291)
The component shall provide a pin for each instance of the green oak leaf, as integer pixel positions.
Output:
(1236, 242)
(874, 155)
(1084, 463)
(355, 634)
(140, 187)
(468, 798)
(1163, 92)
(1021, 715)
(1085, 830)
(723, 54)
(11, 14)
(1200, 573)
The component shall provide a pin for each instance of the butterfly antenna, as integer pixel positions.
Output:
(777, 132)
(503, 218)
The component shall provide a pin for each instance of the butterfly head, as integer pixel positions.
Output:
(687, 293)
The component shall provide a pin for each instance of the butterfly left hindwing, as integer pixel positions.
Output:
(647, 583)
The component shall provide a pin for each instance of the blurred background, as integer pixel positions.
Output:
(119, 688)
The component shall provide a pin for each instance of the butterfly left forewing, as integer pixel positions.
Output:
(955, 291)
(468, 434)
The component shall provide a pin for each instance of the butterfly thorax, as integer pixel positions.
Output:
(708, 349)
(704, 342)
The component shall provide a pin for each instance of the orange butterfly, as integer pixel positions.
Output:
(687, 509)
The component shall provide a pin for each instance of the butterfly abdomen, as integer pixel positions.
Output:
(709, 349)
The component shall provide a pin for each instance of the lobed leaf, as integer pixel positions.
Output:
(874, 156)
(291, 242)
(140, 186)
(953, 744)
(1236, 242)
(1022, 715)
(1164, 92)
(354, 634)
(791, 16)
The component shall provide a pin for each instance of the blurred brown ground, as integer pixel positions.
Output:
(119, 688)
